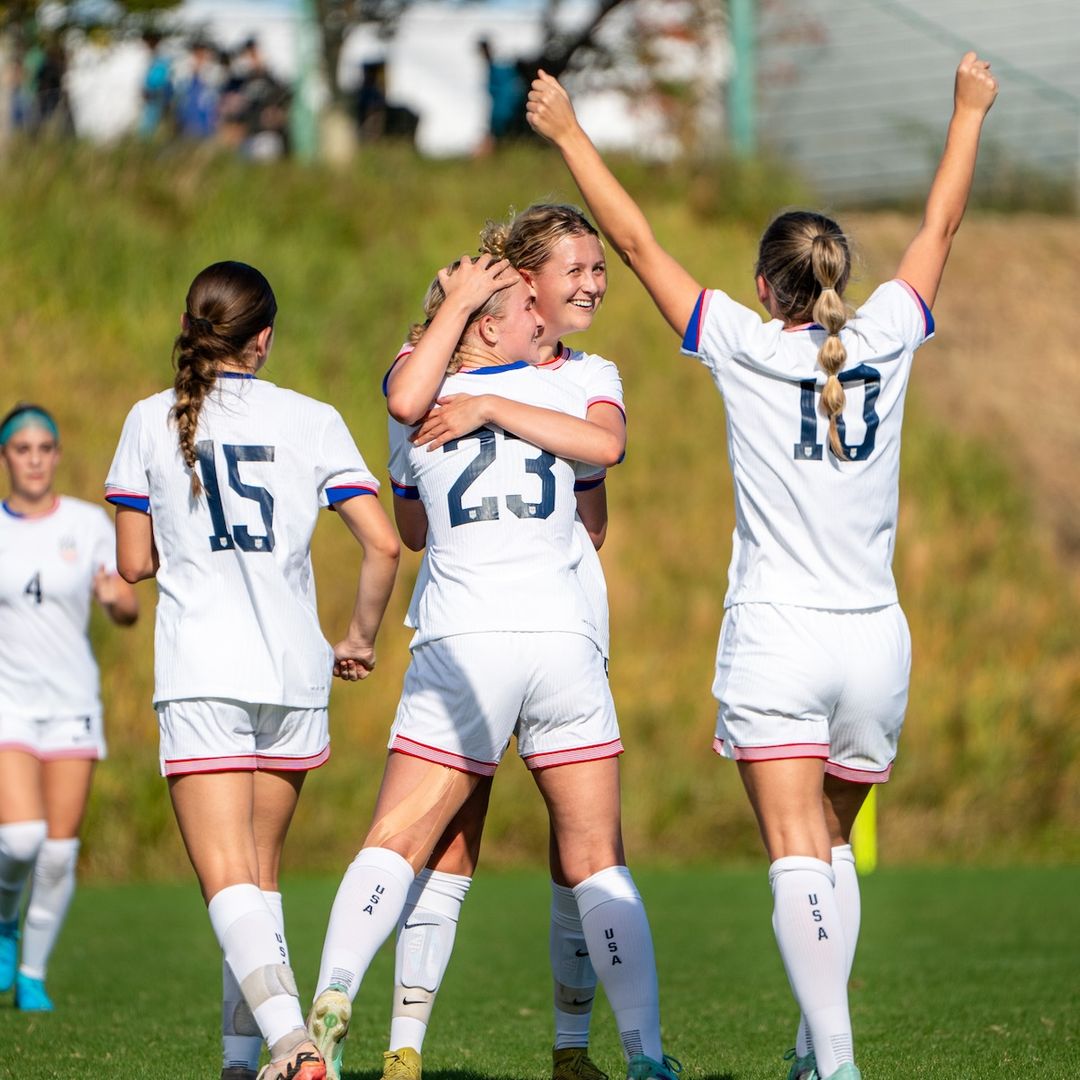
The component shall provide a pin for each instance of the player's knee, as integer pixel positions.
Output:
(20, 841)
(56, 861)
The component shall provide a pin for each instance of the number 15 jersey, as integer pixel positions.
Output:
(236, 614)
(502, 548)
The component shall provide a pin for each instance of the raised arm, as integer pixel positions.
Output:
(924, 261)
(600, 439)
(414, 381)
(354, 655)
(673, 288)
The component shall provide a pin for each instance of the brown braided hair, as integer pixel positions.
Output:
(805, 258)
(227, 305)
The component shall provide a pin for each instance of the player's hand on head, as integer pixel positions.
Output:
(455, 415)
(548, 109)
(353, 660)
(976, 86)
(474, 282)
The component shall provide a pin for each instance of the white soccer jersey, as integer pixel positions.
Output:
(236, 614)
(600, 382)
(47, 568)
(810, 529)
(502, 549)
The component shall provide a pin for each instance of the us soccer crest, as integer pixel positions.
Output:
(69, 550)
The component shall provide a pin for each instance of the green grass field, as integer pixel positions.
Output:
(960, 974)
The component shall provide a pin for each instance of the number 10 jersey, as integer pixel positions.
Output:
(502, 549)
(236, 614)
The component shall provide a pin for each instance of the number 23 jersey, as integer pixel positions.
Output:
(810, 529)
(502, 548)
(236, 614)
(47, 568)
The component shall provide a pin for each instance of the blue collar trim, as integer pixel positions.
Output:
(495, 370)
(8, 510)
(235, 375)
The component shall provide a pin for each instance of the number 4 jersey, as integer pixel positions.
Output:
(47, 568)
(811, 529)
(236, 615)
(502, 548)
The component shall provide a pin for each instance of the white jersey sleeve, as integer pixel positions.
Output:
(340, 470)
(127, 483)
(402, 476)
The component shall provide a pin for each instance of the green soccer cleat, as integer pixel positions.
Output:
(30, 994)
(574, 1063)
(640, 1067)
(802, 1068)
(9, 953)
(403, 1064)
(847, 1071)
(328, 1025)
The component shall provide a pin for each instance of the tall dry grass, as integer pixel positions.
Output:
(96, 252)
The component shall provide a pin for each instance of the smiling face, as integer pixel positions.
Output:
(517, 325)
(31, 456)
(569, 286)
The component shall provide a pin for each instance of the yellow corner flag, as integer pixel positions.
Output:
(864, 835)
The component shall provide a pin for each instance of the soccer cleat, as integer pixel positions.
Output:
(30, 994)
(640, 1067)
(9, 953)
(403, 1064)
(802, 1068)
(328, 1025)
(304, 1063)
(847, 1071)
(574, 1063)
(238, 1072)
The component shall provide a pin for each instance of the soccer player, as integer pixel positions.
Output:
(218, 482)
(555, 249)
(56, 553)
(814, 653)
(505, 643)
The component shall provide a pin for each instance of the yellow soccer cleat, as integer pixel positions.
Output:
(403, 1064)
(574, 1063)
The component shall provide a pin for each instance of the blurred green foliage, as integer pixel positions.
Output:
(96, 253)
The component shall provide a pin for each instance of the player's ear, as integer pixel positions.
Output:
(488, 329)
(763, 291)
(528, 277)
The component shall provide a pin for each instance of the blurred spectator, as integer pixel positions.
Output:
(375, 116)
(197, 93)
(508, 90)
(157, 88)
(255, 107)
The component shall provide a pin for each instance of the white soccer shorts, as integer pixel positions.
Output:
(801, 682)
(54, 737)
(218, 734)
(465, 695)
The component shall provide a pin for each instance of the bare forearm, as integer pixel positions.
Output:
(416, 378)
(558, 433)
(947, 200)
(372, 594)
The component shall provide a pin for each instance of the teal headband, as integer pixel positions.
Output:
(29, 418)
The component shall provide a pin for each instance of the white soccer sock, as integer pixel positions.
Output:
(369, 900)
(808, 930)
(241, 1043)
(426, 933)
(620, 946)
(20, 842)
(571, 971)
(254, 948)
(849, 903)
(50, 895)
